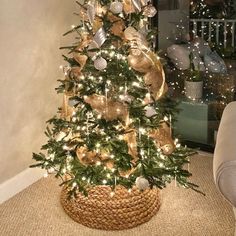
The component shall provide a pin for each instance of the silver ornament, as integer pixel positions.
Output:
(116, 7)
(100, 37)
(150, 111)
(149, 11)
(100, 63)
(142, 183)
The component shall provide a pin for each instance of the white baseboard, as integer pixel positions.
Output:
(19, 182)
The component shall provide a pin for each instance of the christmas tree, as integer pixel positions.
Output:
(115, 125)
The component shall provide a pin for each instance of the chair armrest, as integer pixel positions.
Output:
(224, 162)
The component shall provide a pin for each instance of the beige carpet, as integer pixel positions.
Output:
(37, 211)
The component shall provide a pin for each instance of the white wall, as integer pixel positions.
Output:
(167, 21)
(30, 37)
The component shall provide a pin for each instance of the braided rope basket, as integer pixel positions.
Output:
(122, 211)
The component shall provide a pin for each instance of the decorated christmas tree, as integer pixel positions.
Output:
(115, 126)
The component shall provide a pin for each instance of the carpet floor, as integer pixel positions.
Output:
(36, 211)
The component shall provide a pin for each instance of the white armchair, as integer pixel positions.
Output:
(224, 163)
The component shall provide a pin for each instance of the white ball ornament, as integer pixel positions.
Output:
(116, 7)
(150, 111)
(100, 63)
(142, 183)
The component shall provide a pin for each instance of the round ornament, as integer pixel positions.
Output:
(116, 7)
(149, 11)
(142, 183)
(100, 63)
(150, 111)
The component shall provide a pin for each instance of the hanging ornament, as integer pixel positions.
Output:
(149, 11)
(100, 63)
(116, 7)
(100, 37)
(142, 183)
(149, 111)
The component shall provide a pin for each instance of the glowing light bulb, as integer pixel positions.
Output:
(166, 118)
(98, 163)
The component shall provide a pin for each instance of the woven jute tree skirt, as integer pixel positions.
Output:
(122, 211)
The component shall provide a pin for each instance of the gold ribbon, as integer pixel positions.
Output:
(163, 139)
